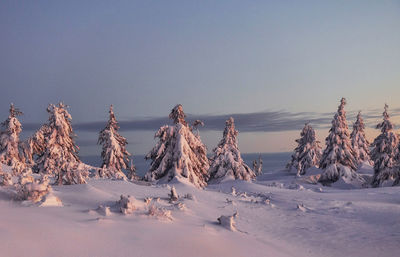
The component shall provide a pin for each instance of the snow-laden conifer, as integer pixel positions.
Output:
(384, 151)
(114, 154)
(359, 141)
(132, 176)
(35, 145)
(60, 154)
(257, 166)
(10, 153)
(179, 153)
(226, 161)
(308, 153)
(338, 157)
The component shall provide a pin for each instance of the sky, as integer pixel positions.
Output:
(272, 65)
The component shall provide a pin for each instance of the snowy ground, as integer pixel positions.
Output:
(279, 215)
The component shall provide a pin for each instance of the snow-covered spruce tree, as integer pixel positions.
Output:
(60, 155)
(10, 153)
(338, 157)
(308, 153)
(359, 141)
(384, 151)
(35, 145)
(115, 156)
(132, 176)
(179, 153)
(257, 166)
(226, 161)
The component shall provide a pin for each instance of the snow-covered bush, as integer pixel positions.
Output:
(50, 200)
(384, 152)
(126, 204)
(302, 207)
(147, 200)
(33, 190)
(75, 173)
(173, 196)
(307, 154)
(114, 154)
(233, 191)
(359, 141)
(228, 222)
(226, 161)
(178, 154)
(159, 212)
(104, 210)
(338, 157)
(189, 197)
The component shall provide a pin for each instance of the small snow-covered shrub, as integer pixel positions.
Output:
(173, 196)
(50, 200)
(104, 210)
(228, 222)
(32, 189)
(159, 212)
(233, 191)
(126, 205)
(148, 200)
(302, 207)
(180, 206)
(190, 197)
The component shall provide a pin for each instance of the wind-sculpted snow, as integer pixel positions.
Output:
(278, 215)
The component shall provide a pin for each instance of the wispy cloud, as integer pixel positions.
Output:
(268, 121)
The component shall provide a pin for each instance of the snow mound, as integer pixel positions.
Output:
(344, 177)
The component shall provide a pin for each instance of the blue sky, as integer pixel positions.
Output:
(213, 57)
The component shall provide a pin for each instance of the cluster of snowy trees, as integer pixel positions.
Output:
(345, 153)
(179, 153)
(52, 152)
